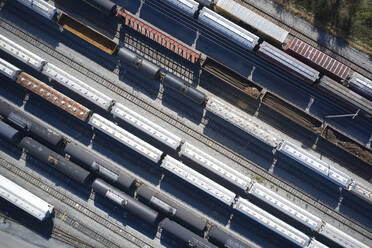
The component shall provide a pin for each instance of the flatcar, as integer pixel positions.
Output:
(23, 123)
(317, 59)
(340, 238)
(122, 136)
(189, 238)
(285, 206)
(100, 167)
(288, 63)
(361, 85)
(346, 96)
(9, 70)
(248, 17)
(215, 166)
(154, 130)
(82, 89)
(53, 96)
(9, 133)
(239, 119)
(21, 53)
(271, 222)
(127, 202)
(171, 208)
(56, 161)
(24, 199)
(41, 7)
(224, 239)
(198, 180)
(228, 29)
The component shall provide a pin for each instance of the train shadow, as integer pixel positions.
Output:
(58, 119)
(124, 217)
(131, 6)
(11, 92)
(138, 82)
(184, 107)
(254, 232)
(168, 22)
(10, 149)
(14, 214)
(57, 178)
(238, 141)
(308, 181)
(130, 160)
(196, 198)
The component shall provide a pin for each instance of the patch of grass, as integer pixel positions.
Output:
(259, 179)
(350, 20)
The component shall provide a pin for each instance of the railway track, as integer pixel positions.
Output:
(78, 206)
(177, 123)
(294, 32)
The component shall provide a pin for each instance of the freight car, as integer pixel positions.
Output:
(125, 201)
(41, 7)
(198, 180)
(216, 167)
(315, 164)
(290, 209)
(237, 118)
(170, 208)
(159, 36)
(340, 238)
(47, 156)
(53, 72)
(248, 17)
(288, 63)
(82, 89)
(21, 53)
(361, 85)
(188, 7)
(228, 29)
(9, 70)
(224, 239)
(53, 96)
(269, 221)
(317, 59)
(26, 125)
(190, 239)
(117, 133)
(100, 167)
(24, 199)
(123, 113)
(346, 96)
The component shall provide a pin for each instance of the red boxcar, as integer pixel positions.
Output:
(318, 59)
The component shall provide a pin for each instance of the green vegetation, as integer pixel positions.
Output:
(350, 20)
(259, 179)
